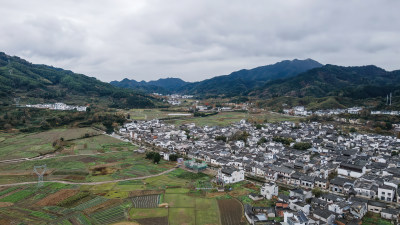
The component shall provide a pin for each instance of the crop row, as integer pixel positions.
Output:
(8, 190)
(147, 201)
(111, 215)
(42, 215)
(82, 219)
(15, 197)
(93, 202)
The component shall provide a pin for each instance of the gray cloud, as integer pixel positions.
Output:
(195, 40)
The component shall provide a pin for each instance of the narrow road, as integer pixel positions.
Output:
(89, 183)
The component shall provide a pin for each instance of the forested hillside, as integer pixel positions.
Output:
(34, 83)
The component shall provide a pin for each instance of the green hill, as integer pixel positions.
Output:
(243, 81)
(34, 83)
(353, 82)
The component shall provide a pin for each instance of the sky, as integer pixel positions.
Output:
(198, 39)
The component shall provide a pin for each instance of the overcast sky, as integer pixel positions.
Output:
(195, 40)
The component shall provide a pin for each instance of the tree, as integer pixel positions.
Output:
(302, 145)
(261, 141)
(332, 175)
(220, 138)
(150, 155)
(173, 157)
(317, 192)
(156, 158)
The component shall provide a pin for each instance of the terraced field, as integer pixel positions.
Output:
(147, 201)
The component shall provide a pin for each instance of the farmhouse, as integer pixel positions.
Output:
(269, 190)
(230, 175)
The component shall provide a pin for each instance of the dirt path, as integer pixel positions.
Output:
(89, 183)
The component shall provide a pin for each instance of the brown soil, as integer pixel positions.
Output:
(163, 205)
(237, 193)
(251, 186)
(231, 212)
(145, 192)
(5, 221)
(5, 204)
(57, 197)
(214, 194)
(103, 205)
(88, 159)
(153, 221)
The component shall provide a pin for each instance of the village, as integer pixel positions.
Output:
(332, 177)
(57, 106)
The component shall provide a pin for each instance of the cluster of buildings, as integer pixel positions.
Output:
(58, 106)
(302, 111)
(385, 112)
(353, 173)
(174, 99)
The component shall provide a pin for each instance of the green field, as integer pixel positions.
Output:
(179, 201)
(102, 203)
(207, 211)
(178, 216)
(22, 145)
(148, 213)
(227, 118)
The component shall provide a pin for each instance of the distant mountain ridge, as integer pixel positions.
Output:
(244, 81)
(163, 85)
(357, 82)
(237, 83)
(45, 84)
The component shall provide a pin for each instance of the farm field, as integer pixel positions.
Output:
(149, 114)
(95, 158)
(111, 165)
(227, 118)
(23, 145)
(141, 201)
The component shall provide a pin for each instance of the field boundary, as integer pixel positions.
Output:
(89, 183)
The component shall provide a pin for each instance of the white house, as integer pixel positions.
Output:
(230, 175)
(269, 190)
(386, 193)
(351, 170)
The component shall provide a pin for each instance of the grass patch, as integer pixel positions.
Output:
(148, 213)
(177, 190)
(374, 219)
(207, 211)
(179, 200)
(117, 194)
(178, 216)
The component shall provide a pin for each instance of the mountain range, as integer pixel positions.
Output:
(305, 82)
(336, 86)
(162, 86)
(237, 83)
(34, 83)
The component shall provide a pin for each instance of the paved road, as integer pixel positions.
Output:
(89, 183)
